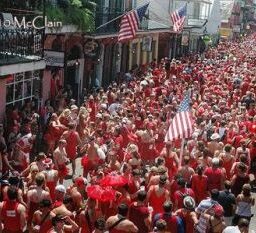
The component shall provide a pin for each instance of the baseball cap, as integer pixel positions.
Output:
(61, 188)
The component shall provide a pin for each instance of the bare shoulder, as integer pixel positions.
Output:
(21, 208)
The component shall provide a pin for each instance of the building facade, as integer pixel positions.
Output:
(21, 65)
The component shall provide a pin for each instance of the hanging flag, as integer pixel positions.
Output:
(130, 23)
(182, 124)
(178, 18)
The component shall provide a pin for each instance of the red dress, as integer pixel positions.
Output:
(199, 186)
(46, 226)
(11, 217)
(227, 164)
(214, 178)
(171, 165)
(72, 143)
(157, 201)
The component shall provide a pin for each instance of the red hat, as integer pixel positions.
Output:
(47, 162)
(80, 181)
(218, 210)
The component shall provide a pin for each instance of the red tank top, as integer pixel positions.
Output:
(11, 217)
(227, 164)
(46, 226)
(71, 144)
(157, 201)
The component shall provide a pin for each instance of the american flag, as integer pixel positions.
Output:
(182, 124)
(178, 18)
(130, 23)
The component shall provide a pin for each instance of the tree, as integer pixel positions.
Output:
(77, 12)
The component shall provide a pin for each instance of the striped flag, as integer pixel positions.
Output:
(130, 23)
(178, 18)
(182, 124)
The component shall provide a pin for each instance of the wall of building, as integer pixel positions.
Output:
(137, 56)
(2, 98)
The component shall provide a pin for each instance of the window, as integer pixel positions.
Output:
(21, 87)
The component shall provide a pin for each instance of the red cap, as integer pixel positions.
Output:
(218, 210)
(80, 181)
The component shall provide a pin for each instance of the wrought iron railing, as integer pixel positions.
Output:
(114, 26)
(102, 18)
(19, 45)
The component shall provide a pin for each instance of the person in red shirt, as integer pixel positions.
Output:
(12, 213)
(199, 185)
(181, 193)
(215, 175)
(158, 194)
(73, 141)
(140, 214)
(188, 214)
(42, 218)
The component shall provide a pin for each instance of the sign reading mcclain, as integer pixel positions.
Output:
(25, 24)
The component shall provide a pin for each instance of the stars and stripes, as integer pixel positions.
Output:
(130, 23)
(178, 18)
(182, 124)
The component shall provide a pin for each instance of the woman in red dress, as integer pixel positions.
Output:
(171, 160)
(73, 141)
(199, 185)
(53, 133)
(228, 160)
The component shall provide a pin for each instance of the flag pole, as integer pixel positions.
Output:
(175, 46)
(181, 151)
(112, 20)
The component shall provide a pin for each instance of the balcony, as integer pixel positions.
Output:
(18, 45)
(105, 16)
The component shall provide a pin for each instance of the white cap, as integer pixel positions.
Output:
(61, 188)
(215, 161)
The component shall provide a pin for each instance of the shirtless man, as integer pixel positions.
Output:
(60, 160)
(154, 180)
(42, 217)
(77, 192)
(36, 195)
(214, 145)
(51, 177)
(39, 163)
(90, 161)
(119, 223)
(186, 171)
(65, 208)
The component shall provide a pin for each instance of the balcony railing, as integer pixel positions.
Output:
(20, 45)
(102, 18)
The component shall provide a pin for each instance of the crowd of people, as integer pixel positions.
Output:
(134, 181)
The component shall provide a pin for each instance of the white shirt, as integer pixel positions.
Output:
(231, 230)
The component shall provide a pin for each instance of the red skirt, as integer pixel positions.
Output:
(62, 171)
(89, 165)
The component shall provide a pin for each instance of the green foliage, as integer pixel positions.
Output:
(54, 13)
(76, 3)
(73, 12)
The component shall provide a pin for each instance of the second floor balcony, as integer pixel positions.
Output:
(18, 45)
